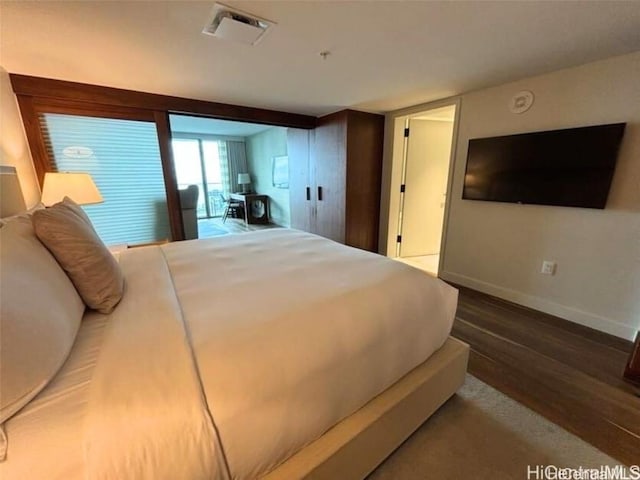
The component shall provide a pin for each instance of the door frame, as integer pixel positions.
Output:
(395, 146)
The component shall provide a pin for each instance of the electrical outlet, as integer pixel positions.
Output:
(548, 267)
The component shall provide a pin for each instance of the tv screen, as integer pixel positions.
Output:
(571, 168)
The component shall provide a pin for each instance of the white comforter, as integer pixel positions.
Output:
(228, 355)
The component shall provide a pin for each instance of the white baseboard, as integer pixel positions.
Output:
(568, 313)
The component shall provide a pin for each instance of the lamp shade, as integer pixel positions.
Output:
(79, 187)
(244, 178)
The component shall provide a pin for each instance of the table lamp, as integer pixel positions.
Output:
(244, 179)
(79, 187)
(11, 198)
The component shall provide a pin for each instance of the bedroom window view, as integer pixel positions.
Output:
(123, 159)
(309, 253)
(231, 176)
(198, 162)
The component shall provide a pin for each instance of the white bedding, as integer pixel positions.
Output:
(228, 355)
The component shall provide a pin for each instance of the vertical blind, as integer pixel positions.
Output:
(123, 158)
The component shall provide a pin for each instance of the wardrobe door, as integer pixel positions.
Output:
(365, 135)
(301, 188)
(330, 175)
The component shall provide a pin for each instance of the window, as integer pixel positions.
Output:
(123, 158)
(201, 162)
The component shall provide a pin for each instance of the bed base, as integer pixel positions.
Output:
(358, 444)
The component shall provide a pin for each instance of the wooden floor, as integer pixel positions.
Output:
(235, 225)
(570, 374)
(211, 227)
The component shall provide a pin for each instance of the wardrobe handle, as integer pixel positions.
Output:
(308, 193)
(319, 193)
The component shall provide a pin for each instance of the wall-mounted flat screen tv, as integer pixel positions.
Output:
(571, 168)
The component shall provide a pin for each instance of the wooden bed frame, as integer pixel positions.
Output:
(358, 444)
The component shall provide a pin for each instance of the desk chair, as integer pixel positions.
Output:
(232, 207)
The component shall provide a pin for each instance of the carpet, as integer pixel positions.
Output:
(481, 433)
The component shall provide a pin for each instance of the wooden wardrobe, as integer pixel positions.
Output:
(335, 174)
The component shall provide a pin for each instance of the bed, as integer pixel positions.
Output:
(275, 354)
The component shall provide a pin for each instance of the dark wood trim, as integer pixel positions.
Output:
(335, 117)
(95, 94)
(71, 107)
(41, 161)
(170, 180)
(632, 370)
(31, 108)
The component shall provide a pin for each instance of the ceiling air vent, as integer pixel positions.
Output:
(235, 25)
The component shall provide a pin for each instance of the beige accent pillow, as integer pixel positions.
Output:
(67, 232)
(40, 314)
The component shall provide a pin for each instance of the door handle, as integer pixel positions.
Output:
(308, 193)
(319, 193)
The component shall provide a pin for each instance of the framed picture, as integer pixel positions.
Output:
(280, 172)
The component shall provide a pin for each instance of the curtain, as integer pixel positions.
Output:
(236, 156)
(225, 176)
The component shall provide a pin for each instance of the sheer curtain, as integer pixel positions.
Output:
(225, 176)
(233, 160)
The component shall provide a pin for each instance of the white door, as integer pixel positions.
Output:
(426, 173)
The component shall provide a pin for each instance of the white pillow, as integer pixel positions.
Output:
(26, 214)
(40, 313)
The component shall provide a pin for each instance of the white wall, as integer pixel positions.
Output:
(261, 148)
(14, 149)
(498, 248)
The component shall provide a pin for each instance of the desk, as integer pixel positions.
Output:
(256, 207)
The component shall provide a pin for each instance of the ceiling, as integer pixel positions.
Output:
(212, 126)
(442, 114)
(384, 55)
